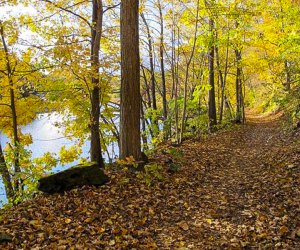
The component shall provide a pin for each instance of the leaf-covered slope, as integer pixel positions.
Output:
(236, 190)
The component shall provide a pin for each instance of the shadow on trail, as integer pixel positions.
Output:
(236, 189)
(250, 186)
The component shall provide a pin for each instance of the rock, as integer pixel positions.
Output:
(77, 176)
(5, 237)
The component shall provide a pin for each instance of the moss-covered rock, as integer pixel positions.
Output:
(77, 176)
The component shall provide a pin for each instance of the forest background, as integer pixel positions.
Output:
(202, 64)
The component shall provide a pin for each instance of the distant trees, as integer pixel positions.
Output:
(80, 69)
(18, 106)
(186, 63)
(9, 72)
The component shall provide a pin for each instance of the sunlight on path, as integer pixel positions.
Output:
(254, 117)
(236, 189)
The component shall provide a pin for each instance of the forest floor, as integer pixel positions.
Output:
(236, 189)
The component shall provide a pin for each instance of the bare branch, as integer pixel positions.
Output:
(5, 104)
(111, 7)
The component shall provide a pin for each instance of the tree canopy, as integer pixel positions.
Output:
(201, 66)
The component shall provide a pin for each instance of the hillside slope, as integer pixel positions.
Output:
(238, 189)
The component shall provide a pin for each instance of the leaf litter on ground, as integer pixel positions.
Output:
(237, 189)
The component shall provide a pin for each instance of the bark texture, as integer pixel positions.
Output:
(212, 114)
(6, 176)
(96, 32)
(239, 117)
(130, 136)
(162, 67)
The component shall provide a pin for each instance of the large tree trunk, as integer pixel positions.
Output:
(6, 177)
(96, 32)
(212, 113)
(130, 135)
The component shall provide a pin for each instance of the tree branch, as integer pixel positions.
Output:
(5, 104)
(69, 11)
(111, 7)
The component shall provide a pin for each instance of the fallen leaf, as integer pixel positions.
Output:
(35, 224)
(183, 225)
(209, 221)
(283, 230)
(68, 221)
(112, 243)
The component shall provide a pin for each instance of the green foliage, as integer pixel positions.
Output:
(31, 171)
(175, 152)
(153, 115)
(291, 105)
(177, 159)
(225, 124)
(53, 71)
(174, 167)
(69, 155)
(151, 173)
(128, 162)
(196, 112)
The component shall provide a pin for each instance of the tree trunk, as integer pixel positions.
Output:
(130, 135)
(238, 87)
(162, 68)
(151, 62)
(17, 168)
(6, 177)
(96, 32)
(176, 89)
(173, 60)
(188, 63)
(173, 71)
(152, 75)
(287, 76)
(147, 88)
(144, 135)
(212, 114)
(222, 79)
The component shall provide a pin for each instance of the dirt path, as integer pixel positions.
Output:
(238, 189)
(252, 189)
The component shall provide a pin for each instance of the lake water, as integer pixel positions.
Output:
(49, 138)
